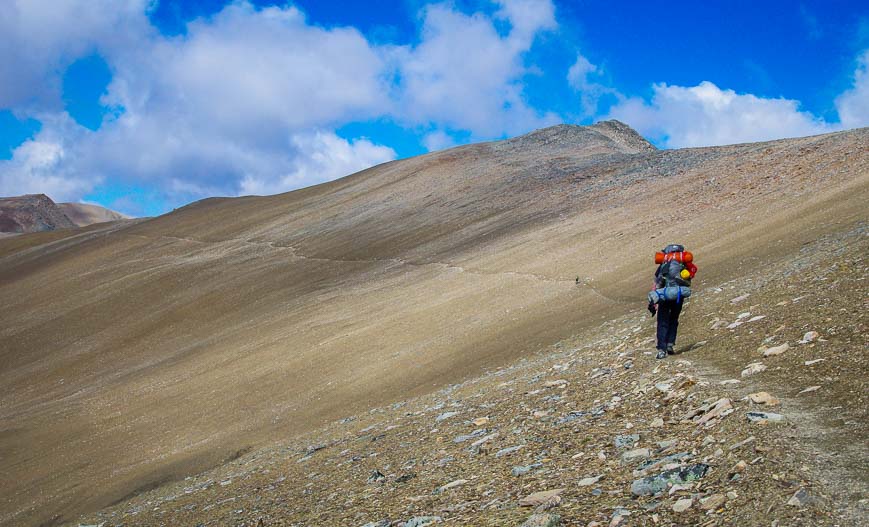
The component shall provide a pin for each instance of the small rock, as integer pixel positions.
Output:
(525, 469)
(626, 441)
(552, 384)
(635, 454)
(473, 435)
(753, 368)
(810, 389)
(542, 520)
(422, 521)
(619, 516)
(677, 476)
(764, 398)
(585, 482)
(483, 440)
(776, 350)
(683, 505)
(764, 417)
(812, 362)
(507, 451)
(656, 422)
(376, 477)
(739, 298)
(809, 337)
(742, 443)
(799, 499)
(539, 498)
(450, 485)
(719, 409)
(480, 421)
(381, 523)
(446, 415)
(713, 502)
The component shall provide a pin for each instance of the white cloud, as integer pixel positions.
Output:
(327, 157)
(42, 164)
(246, 101)
(437, 140)
(853, 104)
(705, 115)
(581, 77)
(464, 75)
(38, 40)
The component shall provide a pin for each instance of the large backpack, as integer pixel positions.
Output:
(671, 272)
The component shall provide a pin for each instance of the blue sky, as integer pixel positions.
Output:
(143, 107)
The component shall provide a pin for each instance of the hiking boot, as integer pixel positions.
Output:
(662, 354)
(670, 349)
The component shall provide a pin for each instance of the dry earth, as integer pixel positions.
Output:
(141, 353)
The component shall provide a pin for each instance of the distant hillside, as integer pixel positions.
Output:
(83, 214)
(32, 213)
(39, 213)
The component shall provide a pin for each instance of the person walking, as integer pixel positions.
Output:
(672, 286)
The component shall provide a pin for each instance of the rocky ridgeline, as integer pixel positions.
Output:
(595, 431)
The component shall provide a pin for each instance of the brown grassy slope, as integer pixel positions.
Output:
(84, 214)
(144, 352)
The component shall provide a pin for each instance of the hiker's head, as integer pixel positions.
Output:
(673, 248)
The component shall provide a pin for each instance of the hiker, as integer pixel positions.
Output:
(672, 286)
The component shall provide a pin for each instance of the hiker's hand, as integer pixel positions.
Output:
(652, 309)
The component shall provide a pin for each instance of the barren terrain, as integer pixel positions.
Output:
(142, 353)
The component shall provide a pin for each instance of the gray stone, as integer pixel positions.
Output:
(572, 416)
(445, 415)
(381, 523)
(677, 476)
(524, 469)
(635, 454)
(757, 417)
(799, 499)
(660, 462)
(508, 451)
(376, 477)
(542, 520)
(422, 521)
(626, 441)
(473, 435)
(683, 505)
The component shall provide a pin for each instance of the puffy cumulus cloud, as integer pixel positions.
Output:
(38, 40)
(222, 110)
(327, 157)
(464, 75)
(437, 140)
(246, 100)
(853, 104)
(44, 163)
(706, 115)
(584, 77)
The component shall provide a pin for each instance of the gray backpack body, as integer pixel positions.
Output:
(675, 288)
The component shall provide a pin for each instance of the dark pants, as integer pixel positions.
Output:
(668, 322)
